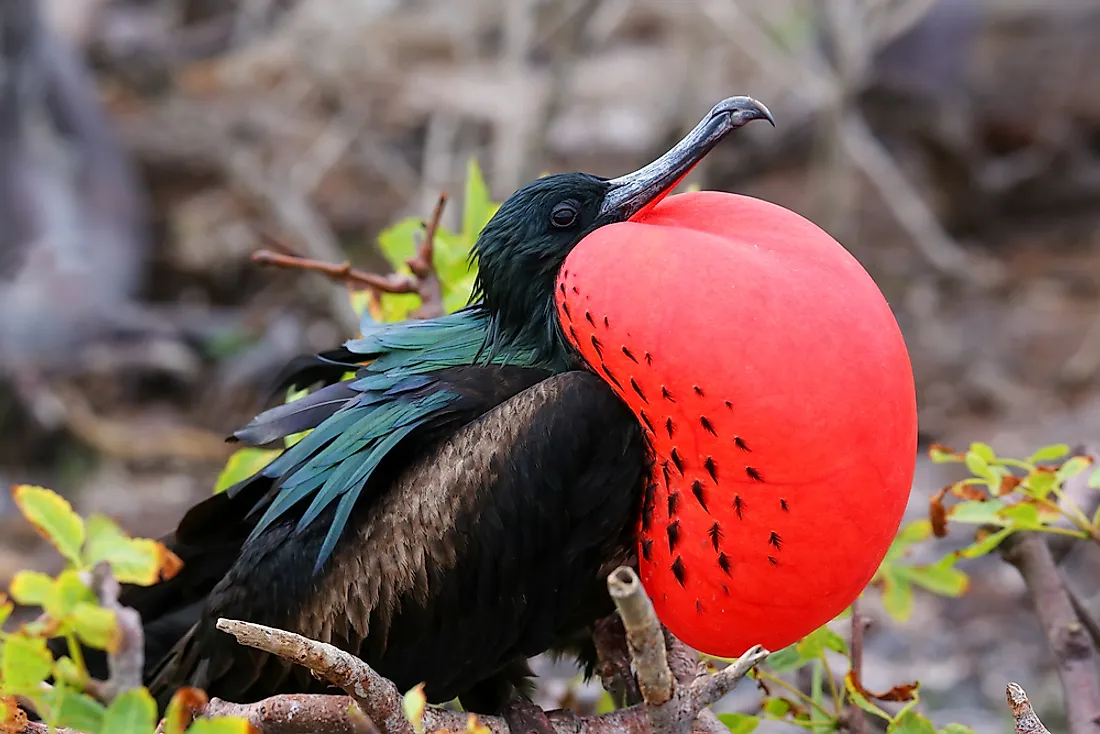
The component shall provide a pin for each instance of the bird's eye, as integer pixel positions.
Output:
(564, 215)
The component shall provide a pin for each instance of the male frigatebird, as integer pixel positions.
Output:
(458, 504)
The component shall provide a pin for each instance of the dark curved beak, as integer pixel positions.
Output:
(629, 195)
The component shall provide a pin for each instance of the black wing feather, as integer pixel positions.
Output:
(489, 543)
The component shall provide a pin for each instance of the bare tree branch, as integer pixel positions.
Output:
(643, 636)
(424, 281)
(1066, 635)
(672, 706)
(125, 665)
(1026, 722)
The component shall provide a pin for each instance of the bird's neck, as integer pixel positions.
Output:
(535, 330)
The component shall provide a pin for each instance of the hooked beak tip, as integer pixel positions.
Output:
(742, 110)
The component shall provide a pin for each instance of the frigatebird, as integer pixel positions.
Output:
(456, 506)
(705, 385)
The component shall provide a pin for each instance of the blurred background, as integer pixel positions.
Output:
(147, 147)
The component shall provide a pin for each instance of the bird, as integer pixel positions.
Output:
(457, 504)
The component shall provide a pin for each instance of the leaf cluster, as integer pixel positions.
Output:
(60, 690)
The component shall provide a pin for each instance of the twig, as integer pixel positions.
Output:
(1026, 722)
(126, 663)
(644, 636)
(1066, 636)
(393, 283)
(424, 281)
(669, 707)
(609, 637)
(856, 723)
(1083, 613)
(682, 709)
(377, 697)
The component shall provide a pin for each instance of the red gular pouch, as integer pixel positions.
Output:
(777, 397)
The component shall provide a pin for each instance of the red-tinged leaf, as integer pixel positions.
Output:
(937, 513)
(1009, 482)
(139, 561)
(900, 694)
(414, 704)
(12, 718)
(185, 705)
(856, 696)
(971, 492)
(941, 454)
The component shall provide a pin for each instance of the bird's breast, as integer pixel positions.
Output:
(775, 391)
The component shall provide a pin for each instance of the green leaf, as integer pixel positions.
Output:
(222, 725)
(860, 700)
(911, 722)
(477, 206)
(897, 594)
(97, 627)
(24, 663)
(942, 455)
(6, 608)
(53, 517)
(414, 703)
(1073, 467)
(979, 467)
(243, 464)
(31, 588)
(138, 561)
(79, 711)
(1023, 516)
(955, 729)
(66, 593)
(132, 712)
(398, 242)
(817, 642)
(605, 704)
(985, 451)
(985, 545)
(1039, 483)
(66, 670)
(786, 659)
(939, 578)
(776, 706)
(1049, 453)
(1094, 480)
(740, 723)
(976, 512)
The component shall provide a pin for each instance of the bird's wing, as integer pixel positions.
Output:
(355, 424)
(493, 543)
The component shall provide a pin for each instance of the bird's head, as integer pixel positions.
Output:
(524, 245)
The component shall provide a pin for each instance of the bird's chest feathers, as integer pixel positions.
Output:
(774, 389)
